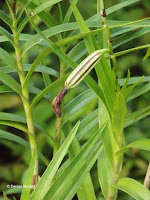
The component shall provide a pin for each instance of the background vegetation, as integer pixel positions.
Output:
(14, 158)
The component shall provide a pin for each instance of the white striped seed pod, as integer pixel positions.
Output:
(84, 68)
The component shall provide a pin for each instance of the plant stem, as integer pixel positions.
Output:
(147, 178)
(118, 160)
(25, 100)
(57, 134)
(110, 40)
(59, 119)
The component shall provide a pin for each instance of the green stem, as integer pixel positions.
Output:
(112, 192)
(57, 135)
(110, 40)
(121, 53)
(25, 100)
(59, 119)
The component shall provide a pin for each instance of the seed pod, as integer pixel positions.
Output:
(76, 77)
(84, 68)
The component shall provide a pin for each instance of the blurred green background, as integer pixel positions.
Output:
(14, 159)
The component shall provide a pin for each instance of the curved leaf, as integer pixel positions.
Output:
(14, 138)
(6, 34)
(105, 173)
(27, 67)
(76, 104)
(45, 181)
(140, 144)
(86, 189)
(8, 80)
(133, 188)
(138, 115)
(5, 18)
(15, 125)
(65, 182)
(78, 178)
(8, 117)
(28, 180)
(7, 58)
(48, 89)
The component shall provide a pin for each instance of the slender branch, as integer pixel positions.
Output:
(110, 40)
(147, 178)
(56, 106)
(25, 100)
(57, 134)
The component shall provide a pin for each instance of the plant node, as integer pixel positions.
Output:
(103, 12)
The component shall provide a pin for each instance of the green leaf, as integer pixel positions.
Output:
(119, 115)
(63, 188)
(35, 64)
(47, 81)
(8, 80)
(141, 89)
(36, 39)
(5, 196)
(105, 173)
(133, 80)
(147, 54)
(22, 9)
(83, 27)
(106, 83)
(17, 118)
(44, 6)
(115, 8)
(109, 143)
(14, 138)
(80, 176)
(88, 124)
(130, 36)
(126, 83)
(68, 60)
(128, 91)
(38, 10)
(134, 117)
(131, 50)
(77, 103)
(133, 188)
(48, 89)
(14, 124)
(140, 144)
(7, 58)
(5, 88)
(27, 67)
(44, 184)
(5, 18)
(69, 13)
(86, 189)
(28, 180)
(6, 34)
(145, 112)
(102, 69)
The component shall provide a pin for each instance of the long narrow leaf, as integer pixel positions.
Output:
(62, 185)
(45, 181)
(133, 188)
(7, 58)
(8, 80)
(28, 180)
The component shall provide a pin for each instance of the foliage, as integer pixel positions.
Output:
(42, 42)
